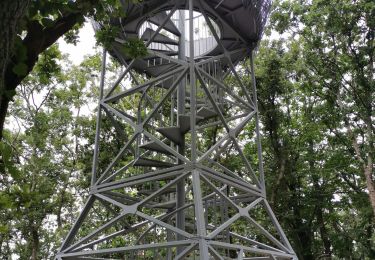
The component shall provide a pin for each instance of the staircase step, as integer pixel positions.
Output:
(167, 83)
(173, 133)
(168, 53)
(154, 146)
(190, 225)
(210, 228)
(159, 63)
(152, 163)
(197, 101)
(159, 69)
(184, 121)
(160, 38)
(206, 113)
(169, 26)
(198, 105)
(165, 205)
(149, 192)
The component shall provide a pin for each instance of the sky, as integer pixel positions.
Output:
(85, 46)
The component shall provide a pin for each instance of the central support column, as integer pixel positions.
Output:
(197, 192)
(180, 189)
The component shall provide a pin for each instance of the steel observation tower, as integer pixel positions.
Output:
(169, 190)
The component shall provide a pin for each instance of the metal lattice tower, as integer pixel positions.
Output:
(166, 188)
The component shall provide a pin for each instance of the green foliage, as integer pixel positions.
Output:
(135, 48)
(39, 161)
(7, 163)
(47, 67)
(316, 98)
(43, 16)
(107, 35)
(20, 68)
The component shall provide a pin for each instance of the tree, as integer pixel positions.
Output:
(308, 172)
(45, 170)
(31, 27)
(316, 96)
(339, 53)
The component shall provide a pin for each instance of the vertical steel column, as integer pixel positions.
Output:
(180, 187)
(197, 192)
(91, 199)
(259, 137)
(98, 120)
(181, 56)
(193, 90)
(199, 216)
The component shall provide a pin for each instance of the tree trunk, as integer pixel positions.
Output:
(365, 159)
(367, 162)
(368, 171)
(34, 244)
(319, 203)
(303, 233)
(323, 232)
(280, 177)
(11, 12)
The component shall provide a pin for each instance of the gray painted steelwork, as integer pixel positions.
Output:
(179, 185)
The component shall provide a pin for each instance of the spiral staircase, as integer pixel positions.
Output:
(170, 176)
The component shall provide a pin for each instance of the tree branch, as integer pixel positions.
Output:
(37, 40)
